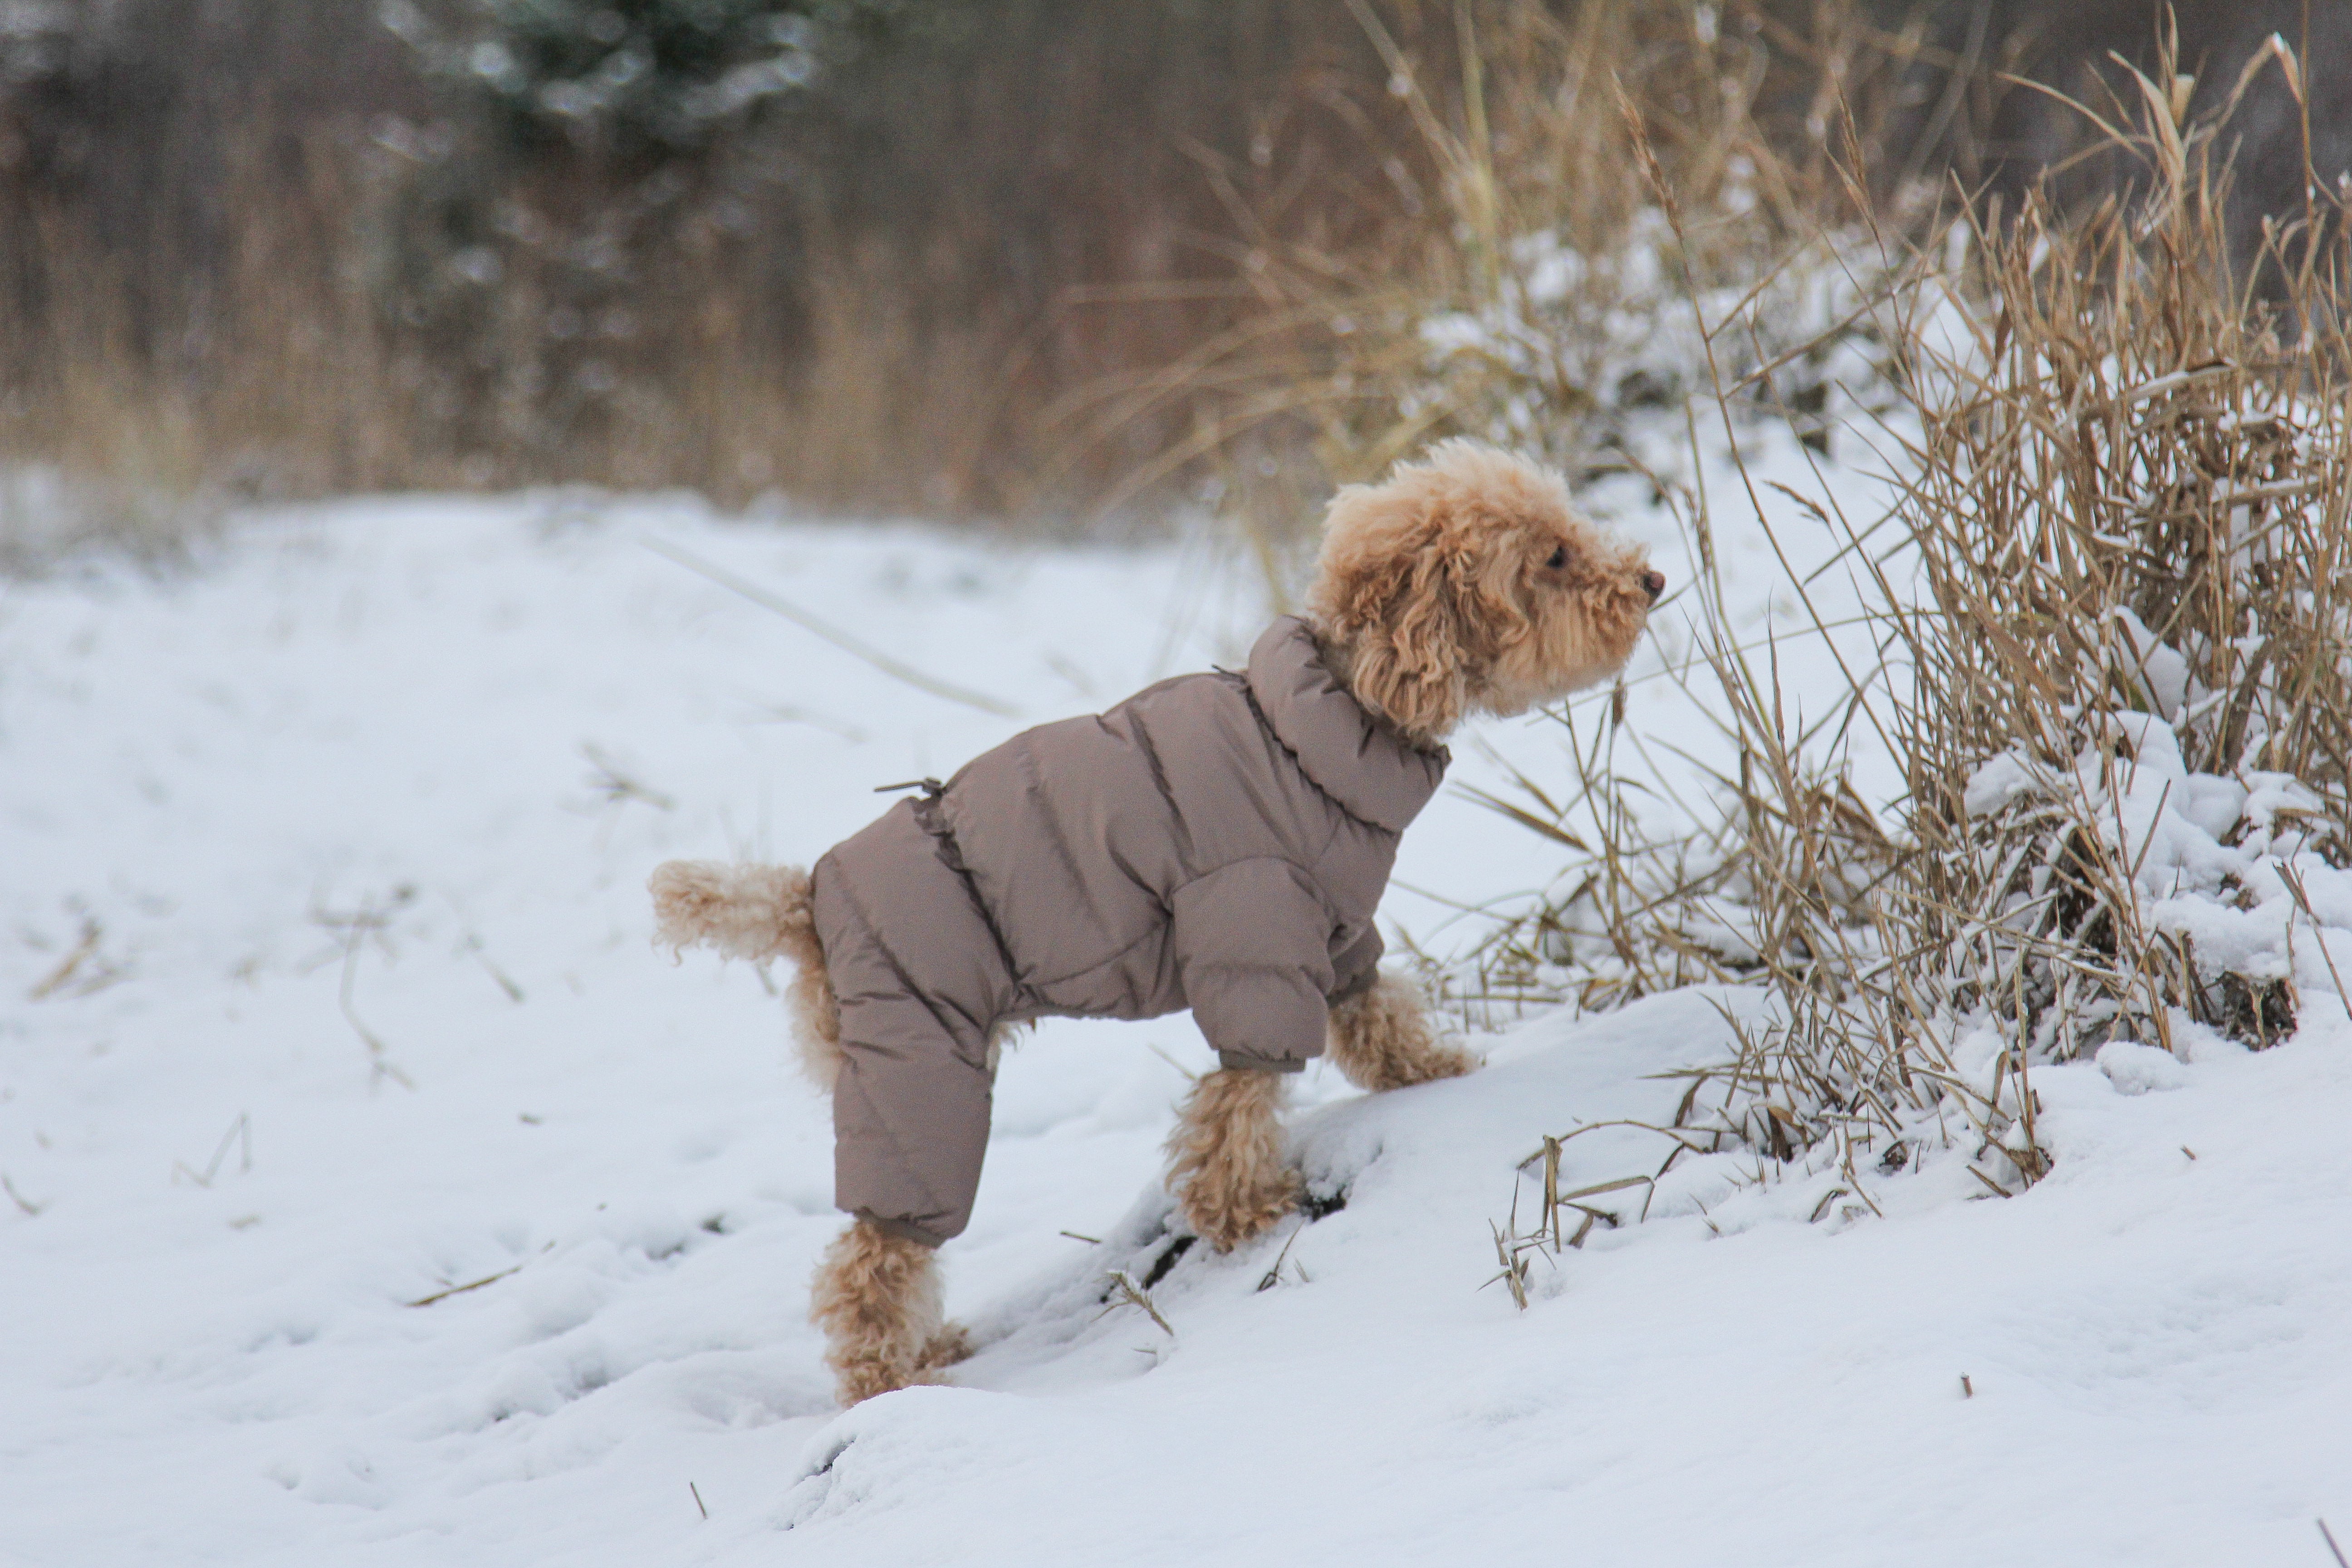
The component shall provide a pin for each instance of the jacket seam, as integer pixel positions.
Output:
(1298, 763)
(932, 820)
(1098, 965)
(1322, 900)
(1274, 732)
(1040, 799)
(1143, 743)
(1324, 853)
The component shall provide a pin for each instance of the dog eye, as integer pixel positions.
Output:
(1559, 558)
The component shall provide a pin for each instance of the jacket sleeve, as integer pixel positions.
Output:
(1252, 945)
(1357, 967)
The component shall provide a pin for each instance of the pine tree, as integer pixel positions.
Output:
(642, 77)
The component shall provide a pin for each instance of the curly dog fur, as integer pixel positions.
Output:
(1466, 584)
(1382, 1039)
(757, 912)
(878, 1297)
(1225, 1158)
(1463, 584)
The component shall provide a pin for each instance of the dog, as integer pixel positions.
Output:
(1218, 842)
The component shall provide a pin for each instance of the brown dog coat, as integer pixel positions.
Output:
(1218, 842)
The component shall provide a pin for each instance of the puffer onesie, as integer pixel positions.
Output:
(1218, 842)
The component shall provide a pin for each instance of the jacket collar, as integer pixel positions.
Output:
(1358, 759)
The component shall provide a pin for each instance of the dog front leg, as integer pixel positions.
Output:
(1225, 1158)
(1382, 1039)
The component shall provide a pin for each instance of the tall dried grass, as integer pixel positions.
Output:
(338, 346)
(248, 249)
(2126, 522)
(1065, 256)
(1522, 282)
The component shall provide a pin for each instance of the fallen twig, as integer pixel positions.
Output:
(1274, 1275)
(369, 919)
(461, 1290)
(506, 982)
(1510, 1251)
(32, 1210)
(839, 638)
(78, 975)
(56, 979)
(1136, 1296)
(617, 786)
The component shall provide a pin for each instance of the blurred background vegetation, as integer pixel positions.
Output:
(1057, 259)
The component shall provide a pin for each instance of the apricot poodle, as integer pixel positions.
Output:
(1218, 842)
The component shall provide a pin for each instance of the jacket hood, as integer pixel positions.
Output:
(1370, 770)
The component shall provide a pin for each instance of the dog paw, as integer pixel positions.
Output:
(951, 1344)
(860, 1377)
(863, 1377)
(1230, 1212)
(1434, 1062)
(1386, 1038)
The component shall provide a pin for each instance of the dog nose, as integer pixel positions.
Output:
(1654, 582)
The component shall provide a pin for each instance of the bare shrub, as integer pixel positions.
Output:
(2124, 616)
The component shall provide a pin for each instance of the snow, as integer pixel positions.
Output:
(335, 786)
(2210, 856)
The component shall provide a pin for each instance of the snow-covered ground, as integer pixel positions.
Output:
(377, 1195)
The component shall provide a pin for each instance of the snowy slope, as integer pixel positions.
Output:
(376, 713)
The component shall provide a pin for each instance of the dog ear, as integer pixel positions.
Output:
(1424, 603)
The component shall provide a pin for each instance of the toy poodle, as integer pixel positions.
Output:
(1217, 841)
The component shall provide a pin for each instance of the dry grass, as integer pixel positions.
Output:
(1521, 282)
(2128, 498)
(1056, 258)
(308, 274)
(317, 373)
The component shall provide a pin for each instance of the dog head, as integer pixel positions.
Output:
(1466, 584)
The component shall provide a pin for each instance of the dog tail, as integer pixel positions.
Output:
(744, 912)
(757, 912)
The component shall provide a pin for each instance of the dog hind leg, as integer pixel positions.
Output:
(878, 1297)
(1225, 1158)
(1381, 1039)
